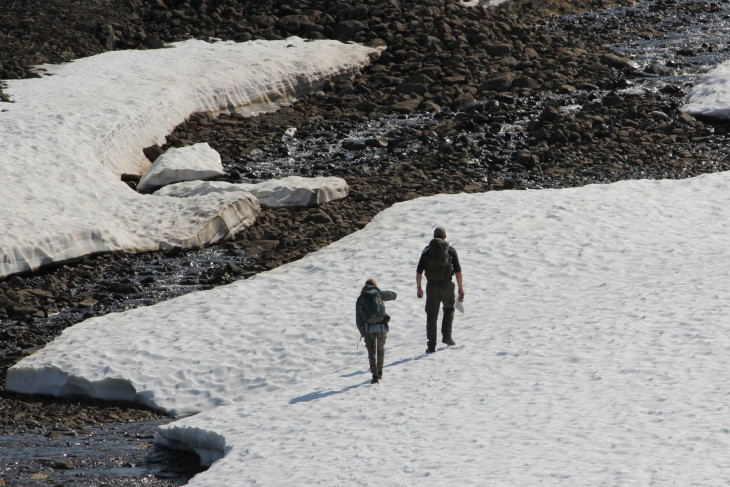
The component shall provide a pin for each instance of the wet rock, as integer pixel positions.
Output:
(550, 114)
(619, 62)
(498, 83)
(22, 312)
(353, 145)
(319, 217)
(406, 106)
(498, 50)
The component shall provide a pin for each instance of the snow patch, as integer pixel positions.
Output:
(596, 333)
(61, 157)
(711, 97)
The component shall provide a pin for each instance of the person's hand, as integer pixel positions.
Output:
(419, 293)
(461, 295)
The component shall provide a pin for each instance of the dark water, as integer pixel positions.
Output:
(150, 278)
(121, 454)
(360, 145)
(696, 40)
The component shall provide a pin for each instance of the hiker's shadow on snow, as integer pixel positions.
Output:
(397, 362)
(319, 395)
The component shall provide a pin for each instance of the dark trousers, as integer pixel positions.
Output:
(375, 343)
(438, 293)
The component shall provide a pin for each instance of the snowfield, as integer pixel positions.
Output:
(591, 352)
(114, 105)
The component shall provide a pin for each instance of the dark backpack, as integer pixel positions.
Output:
(373, 309)
(438, 261)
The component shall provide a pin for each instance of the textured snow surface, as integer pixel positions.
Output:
(593, 350)
(61, 157)
(711, 98)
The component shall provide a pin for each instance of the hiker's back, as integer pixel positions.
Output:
(373, 309)
(439, 266)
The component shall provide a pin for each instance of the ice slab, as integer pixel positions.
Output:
(299, 191)
(191, 163)
(288, 191)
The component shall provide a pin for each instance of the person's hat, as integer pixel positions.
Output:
(439, 232)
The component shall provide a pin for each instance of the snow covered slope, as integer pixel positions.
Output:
(593, 350)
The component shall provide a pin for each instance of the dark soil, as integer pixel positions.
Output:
(459, 75)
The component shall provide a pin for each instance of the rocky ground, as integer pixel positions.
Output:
(459, 75)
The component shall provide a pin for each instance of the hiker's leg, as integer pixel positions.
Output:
(448, 297)
(433, 302)
(370, 344)
(381, 352)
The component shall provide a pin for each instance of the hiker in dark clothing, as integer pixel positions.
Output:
(440, 262)
(372, 321)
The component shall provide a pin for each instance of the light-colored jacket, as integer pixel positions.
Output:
(365, 327)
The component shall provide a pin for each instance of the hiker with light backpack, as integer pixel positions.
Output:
(440, 262)
(372, 322)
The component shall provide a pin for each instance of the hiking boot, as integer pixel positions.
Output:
(375, 380)
(448, 341)
(380, 374)
(430, 349)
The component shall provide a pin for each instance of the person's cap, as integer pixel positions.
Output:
(439, 232)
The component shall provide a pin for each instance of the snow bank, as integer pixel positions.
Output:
(288, 191)
(592, 350)
(69, 135)
(711, 98)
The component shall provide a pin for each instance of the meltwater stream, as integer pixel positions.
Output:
(120, 454)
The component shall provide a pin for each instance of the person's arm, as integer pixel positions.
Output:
(461, 287)
(419, 272)
(388, 295)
